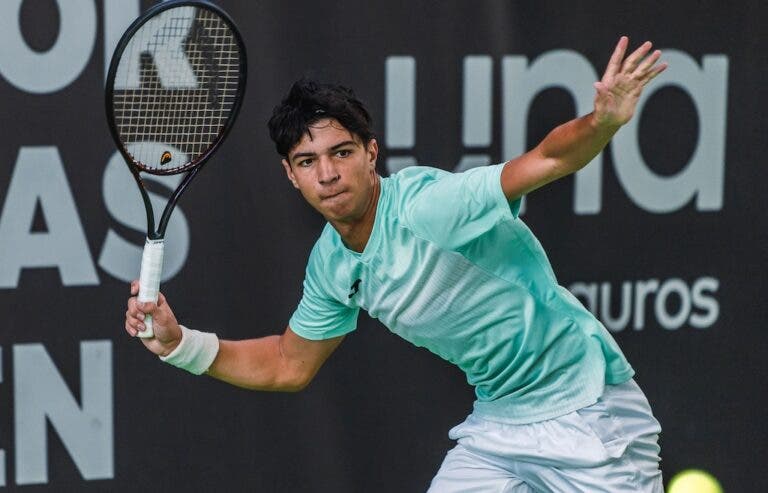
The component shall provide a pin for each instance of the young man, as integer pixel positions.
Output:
(444, 261)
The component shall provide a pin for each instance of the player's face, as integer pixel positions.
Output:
(335, 172)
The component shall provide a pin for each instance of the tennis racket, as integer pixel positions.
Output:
(173, 91)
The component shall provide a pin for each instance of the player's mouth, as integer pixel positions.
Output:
(332, 195)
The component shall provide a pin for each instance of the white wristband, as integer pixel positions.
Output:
(196, 351)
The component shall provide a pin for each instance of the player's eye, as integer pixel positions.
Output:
(343, 153)
(305, 163)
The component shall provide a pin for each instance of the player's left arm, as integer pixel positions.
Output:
(570, 146)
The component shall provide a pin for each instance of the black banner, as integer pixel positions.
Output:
(662, 236)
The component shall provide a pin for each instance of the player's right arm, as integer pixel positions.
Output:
(286, 362)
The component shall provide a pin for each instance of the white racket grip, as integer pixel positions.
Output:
(149, 278)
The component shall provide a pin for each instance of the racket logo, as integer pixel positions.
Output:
(166, 158)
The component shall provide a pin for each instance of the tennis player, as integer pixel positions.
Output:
(444, 261)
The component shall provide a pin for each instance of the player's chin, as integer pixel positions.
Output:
(334, 215)
(336, 206)
(337, 212)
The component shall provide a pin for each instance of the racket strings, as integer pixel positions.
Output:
(179, 82)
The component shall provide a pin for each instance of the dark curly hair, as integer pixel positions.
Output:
(309, 101)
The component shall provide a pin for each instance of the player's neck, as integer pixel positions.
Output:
(355, 234)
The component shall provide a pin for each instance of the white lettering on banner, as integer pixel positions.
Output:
(39, 181)
(521, 83)
(702, 176)
(39, 178)
(41, 396)
(62, 64)
(400, 112)
(696, 304)
(121, 258)
(477, 109)
(118, 15)
(700, 180)
(58, 67)
(169, 58)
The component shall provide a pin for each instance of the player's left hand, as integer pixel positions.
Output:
(623, 82)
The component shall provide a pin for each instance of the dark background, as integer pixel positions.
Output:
(377, 415)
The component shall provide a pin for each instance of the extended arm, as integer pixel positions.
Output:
(572, 145)
(284, 362)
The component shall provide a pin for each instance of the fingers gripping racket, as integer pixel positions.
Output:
(174, 88)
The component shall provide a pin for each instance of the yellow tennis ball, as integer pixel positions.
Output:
(694, 481)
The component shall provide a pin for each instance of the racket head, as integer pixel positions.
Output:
(175, 86)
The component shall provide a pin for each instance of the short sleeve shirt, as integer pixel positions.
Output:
(451, 267)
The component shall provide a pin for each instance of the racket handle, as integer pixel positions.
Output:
(149, 278)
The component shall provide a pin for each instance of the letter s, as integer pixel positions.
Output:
(121, 258)
(707, 303)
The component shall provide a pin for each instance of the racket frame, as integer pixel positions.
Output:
(152, 257)
(195, 165)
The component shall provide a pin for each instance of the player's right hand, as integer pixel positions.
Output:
(166, 328)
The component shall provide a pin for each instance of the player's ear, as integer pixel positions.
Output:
(373, 152)
(289, 173)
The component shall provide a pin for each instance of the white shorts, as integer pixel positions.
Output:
(610, 446)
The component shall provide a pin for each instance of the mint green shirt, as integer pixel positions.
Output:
(450, 267)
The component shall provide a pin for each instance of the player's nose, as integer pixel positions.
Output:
(327, 172)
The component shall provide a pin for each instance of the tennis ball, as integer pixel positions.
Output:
(694, 481)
